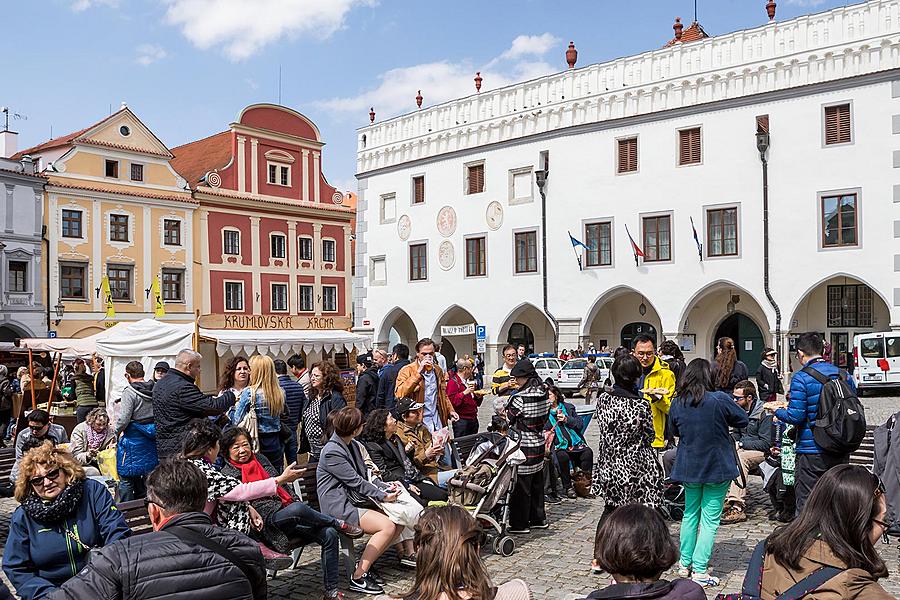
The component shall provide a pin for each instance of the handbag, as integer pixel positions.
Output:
(251, 424)
(284, 434)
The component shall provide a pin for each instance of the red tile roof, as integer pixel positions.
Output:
(23, 173)
(130, 191)
(62, 140)
(693, 33)
(192, 161)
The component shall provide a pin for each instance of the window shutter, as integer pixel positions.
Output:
(418, 190)
(476, 179)
(628, 155)
(837, 124)
(689, 146)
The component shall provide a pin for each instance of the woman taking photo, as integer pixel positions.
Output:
(568, 444)
(267, 397)
(837, 530)
(768, 377)
(89, 438)
(706, 463)
(727, 370)
(325, 396)
(449, 560)
(387, 451)
(235, 376)
(286, 520)
(61, 517)
(228, 498)
(346, 494)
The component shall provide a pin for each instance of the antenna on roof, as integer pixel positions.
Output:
(6, 115)
(695, 11)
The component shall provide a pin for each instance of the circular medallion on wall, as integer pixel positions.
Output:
(404, 226)
(213, 179)
(337, 198)
(446, 221)
(494, 215)
(446, 255)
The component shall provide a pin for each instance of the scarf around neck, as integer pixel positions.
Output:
(59, 508)
(94, 439)
(770, 364)
(252, 470)
(566, 437)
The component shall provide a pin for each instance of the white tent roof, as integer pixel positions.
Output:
(147, 337)
(282, 342)
(70, 347)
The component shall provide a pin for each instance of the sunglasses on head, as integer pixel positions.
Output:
(39, 481)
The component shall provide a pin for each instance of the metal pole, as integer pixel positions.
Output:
(53, 384)
(765, 190)
(541, 184)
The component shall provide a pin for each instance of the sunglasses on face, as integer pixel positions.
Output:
(39, 480)
(36, 428)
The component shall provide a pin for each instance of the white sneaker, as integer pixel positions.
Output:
(705, 580)
(684, 572)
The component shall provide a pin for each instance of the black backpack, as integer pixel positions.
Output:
(752, 588)
(841, 420)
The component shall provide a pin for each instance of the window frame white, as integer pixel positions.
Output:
(225, 284)
(336, 303)
(312, 297)
(272, 237)
(287, 300)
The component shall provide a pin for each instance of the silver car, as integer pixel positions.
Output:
(572, 372)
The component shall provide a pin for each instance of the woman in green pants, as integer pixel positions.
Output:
(705, 463)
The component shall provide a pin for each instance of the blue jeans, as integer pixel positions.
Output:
(298, 521)
(290, 447)
(270, 446)
(132, 487)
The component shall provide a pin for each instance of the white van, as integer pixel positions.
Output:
(876, 357)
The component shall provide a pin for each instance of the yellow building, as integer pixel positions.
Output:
(115, 211)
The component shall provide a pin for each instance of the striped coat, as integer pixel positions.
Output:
(528, 411)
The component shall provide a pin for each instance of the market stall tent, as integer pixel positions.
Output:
(69, 347)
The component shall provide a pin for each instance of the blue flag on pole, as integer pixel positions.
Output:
(576, 243)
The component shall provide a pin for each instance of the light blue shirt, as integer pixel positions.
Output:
(432, 418)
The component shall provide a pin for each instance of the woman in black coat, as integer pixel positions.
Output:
(768, 376)
(325, 397)
(380, 438)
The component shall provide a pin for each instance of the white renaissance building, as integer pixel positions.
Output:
(702, 134)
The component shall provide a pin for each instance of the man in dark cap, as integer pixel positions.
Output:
(161, 368)
(528, 411)
(366, 383)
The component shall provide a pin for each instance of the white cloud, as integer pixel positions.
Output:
(83, 5)
(445, 80)
(147, 54)
(242, 28)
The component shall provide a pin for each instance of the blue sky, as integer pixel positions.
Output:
(187, 67)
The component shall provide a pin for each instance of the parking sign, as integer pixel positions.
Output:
(480, 333)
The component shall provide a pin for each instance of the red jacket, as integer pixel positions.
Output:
(465, 405)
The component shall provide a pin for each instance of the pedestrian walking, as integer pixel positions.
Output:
(528, 412)
(177, 401)
(727, 369)
(705, 463)
(590, 381)
(803, 410)
(768, 377)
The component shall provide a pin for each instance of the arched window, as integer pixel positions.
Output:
(632, 330)
(519, 333)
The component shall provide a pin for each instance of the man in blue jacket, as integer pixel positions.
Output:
(802, 411)
(385, 397)
(294, 399)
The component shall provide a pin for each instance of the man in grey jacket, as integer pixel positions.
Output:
(135, 407)
(185, 557)
(754, 443)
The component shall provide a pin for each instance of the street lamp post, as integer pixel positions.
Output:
(763, 141)
(540, 178)
(60, 311)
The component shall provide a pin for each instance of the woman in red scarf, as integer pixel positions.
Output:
(287, 522)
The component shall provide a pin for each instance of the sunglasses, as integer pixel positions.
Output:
(39, 481)
(36, 428)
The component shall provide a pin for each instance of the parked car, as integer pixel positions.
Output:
(876, 357)
(572, 372)
(547, 368)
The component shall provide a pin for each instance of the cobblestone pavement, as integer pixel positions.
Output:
(555, 562)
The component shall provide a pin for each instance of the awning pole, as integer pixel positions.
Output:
(53, 385)
(31, 373)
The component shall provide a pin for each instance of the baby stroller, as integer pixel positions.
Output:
(673, 499)
(485, 486)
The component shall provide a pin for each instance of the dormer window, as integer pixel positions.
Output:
(278, 167)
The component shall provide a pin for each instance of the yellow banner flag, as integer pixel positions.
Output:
(159, 309)
(107, 297)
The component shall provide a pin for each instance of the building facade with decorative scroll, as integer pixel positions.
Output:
(661, 147)
(119, 221)
(274, 236)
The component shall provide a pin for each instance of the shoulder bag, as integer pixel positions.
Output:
(251, 423)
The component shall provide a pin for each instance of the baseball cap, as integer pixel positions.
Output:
(408, 404)
(364, 359)
(162, 366)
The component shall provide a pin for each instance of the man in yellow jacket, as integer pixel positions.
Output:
(424, 381)
(657, 384)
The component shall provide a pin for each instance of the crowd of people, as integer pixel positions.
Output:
(216, 474)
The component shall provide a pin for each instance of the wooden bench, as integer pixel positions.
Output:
(136, 516)
(7, 460)
(461, 447)
(865, 454)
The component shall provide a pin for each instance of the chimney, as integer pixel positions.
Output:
(770, 9)
(678, 27)
(9, 143)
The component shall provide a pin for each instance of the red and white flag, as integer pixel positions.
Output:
(634, 247)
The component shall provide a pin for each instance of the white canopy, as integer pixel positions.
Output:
(284, 342)
(70, 347)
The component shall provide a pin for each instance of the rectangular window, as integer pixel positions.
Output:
(137, 172)
(476, 258)
(418, 262)
(598, 237)
(329, 250)
(849, 306)
(234, 295)
(120, 281)
(118, 228)
(305, 248)
(388, 208)
(475, 179)
(306, 298)
(721, 232)
(71, 223)
(657, 239)
(526, 252)
(71, 281)
(278, 246)
(172, 285)
(837, 124)
(839, 220)
(232, 242)
(689, 146)
(279, 296)
(273, 173)
(329, 298)
(418, 189)
(18, 276)
(112, 168)
(628, 155)
(172, 232)
(285, 176)
(377, 270)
